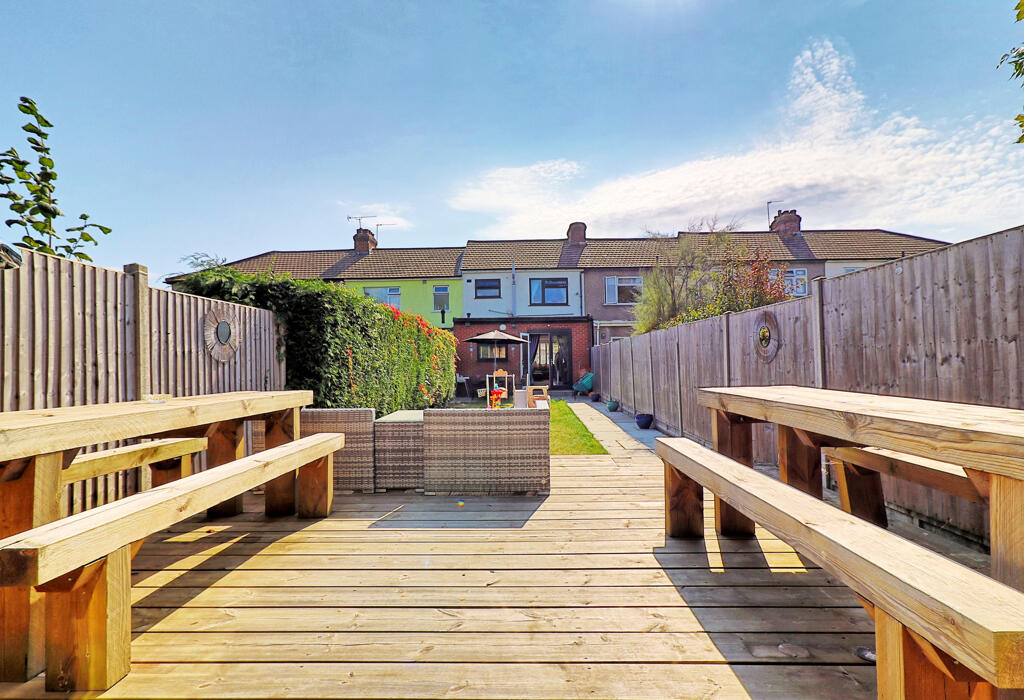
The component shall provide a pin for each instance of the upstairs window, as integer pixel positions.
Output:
(488, 289)
(549, 292)
(391, 296)
(796, 282)
(441, 297)
(622, 290)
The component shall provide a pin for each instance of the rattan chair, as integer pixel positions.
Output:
(486, 451)
(398, 450)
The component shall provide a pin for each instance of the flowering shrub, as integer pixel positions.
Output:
(349, 349)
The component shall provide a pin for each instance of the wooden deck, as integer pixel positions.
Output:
(572, 595)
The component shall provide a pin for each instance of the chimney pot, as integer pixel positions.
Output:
(364, 240)
(577, 232)
(786, 222)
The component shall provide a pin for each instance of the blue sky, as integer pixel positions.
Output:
(237, 127)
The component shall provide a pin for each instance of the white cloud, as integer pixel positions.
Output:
(838, 162)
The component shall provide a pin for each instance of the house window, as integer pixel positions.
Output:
(621, 290)
(385, 295)
(796, 282)
(487, 351)
(848, 270)
(488, 289)
(441, 297)
(549, 292)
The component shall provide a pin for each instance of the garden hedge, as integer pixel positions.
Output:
(349, 349)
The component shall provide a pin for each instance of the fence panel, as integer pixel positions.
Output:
(626, 374)
(643, 379)
(665, 367)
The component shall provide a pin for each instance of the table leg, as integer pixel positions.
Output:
(860, 493)
(226, 443)
(280, 428)
(26, 501)
(1006, 519)
(732, 437)
(684, 505)
(799, 464)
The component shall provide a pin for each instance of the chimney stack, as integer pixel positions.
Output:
(365, 241)
(786, 222)
(577, 232)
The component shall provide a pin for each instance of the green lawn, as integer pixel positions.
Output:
(568, 434)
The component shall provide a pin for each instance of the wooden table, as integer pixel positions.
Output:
(988, 442)
(36, 445)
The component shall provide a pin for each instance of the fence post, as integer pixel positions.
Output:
(140, 274)
(725, 350)
(818, 330)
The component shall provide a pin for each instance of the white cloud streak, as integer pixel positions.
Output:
(838, 162)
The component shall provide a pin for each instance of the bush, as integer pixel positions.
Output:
(350, 350)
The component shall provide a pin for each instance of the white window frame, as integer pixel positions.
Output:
(612, 285)
(797, 282)
(392, 296)
(848, 270)
(447, 295)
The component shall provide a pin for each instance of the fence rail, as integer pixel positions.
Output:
(944, 325)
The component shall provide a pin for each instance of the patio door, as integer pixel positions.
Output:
(547, 359)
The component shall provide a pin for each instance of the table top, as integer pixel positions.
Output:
(40, 431)
(986, 438)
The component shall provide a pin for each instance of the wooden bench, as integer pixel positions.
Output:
(858, 478)
(83, 562)
(168, 459)
(942, 630)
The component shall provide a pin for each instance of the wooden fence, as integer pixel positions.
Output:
(944, 325)
(77, 334)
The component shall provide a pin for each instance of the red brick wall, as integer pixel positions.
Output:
(477, 370)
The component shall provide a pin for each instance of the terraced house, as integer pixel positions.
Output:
(418, 280)
(562, 295)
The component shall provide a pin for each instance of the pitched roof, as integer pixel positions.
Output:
(381, 263)
(865, 244)
(400, 263)
(536, 254)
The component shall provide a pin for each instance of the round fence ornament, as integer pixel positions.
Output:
(766, 336)
(222, 333)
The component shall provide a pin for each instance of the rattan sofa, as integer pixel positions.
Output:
(353, 464)
(486, 451)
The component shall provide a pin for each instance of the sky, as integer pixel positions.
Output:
(235, 127)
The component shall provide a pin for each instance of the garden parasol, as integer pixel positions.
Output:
(495, 338)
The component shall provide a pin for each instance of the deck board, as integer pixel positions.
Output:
(573, 595)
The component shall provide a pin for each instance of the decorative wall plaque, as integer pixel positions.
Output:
(766, 336)
(222, 333)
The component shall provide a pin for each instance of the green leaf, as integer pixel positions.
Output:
(14, 222)
(25, 109)
(86, 237)
(43, 121)
(33, 129)
(83, 217)
(83, 257)
(104, 229)
(22, 175)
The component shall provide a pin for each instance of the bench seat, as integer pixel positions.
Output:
(956, 618)
(83, 562)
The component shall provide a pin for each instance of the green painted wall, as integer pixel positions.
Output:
(417, 296)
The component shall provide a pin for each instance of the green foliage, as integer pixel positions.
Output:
(37, 207)
(707, 279)
(1015, 59)
(349, 349)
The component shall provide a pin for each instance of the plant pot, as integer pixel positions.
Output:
(612, 405)
(644, 420)
(595, 397)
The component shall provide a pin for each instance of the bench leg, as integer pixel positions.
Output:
(316, 488)
(799, 464)
(27, 501)
(860, 493)
(280, 428)
(226, 443)
(733, 438)
(910, 668)
(88, 625)
(684, 505)
(170, 470)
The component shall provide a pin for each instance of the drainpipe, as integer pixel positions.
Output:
(513, 289)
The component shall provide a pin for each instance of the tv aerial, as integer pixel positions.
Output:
(359, 219)
(377, 234)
